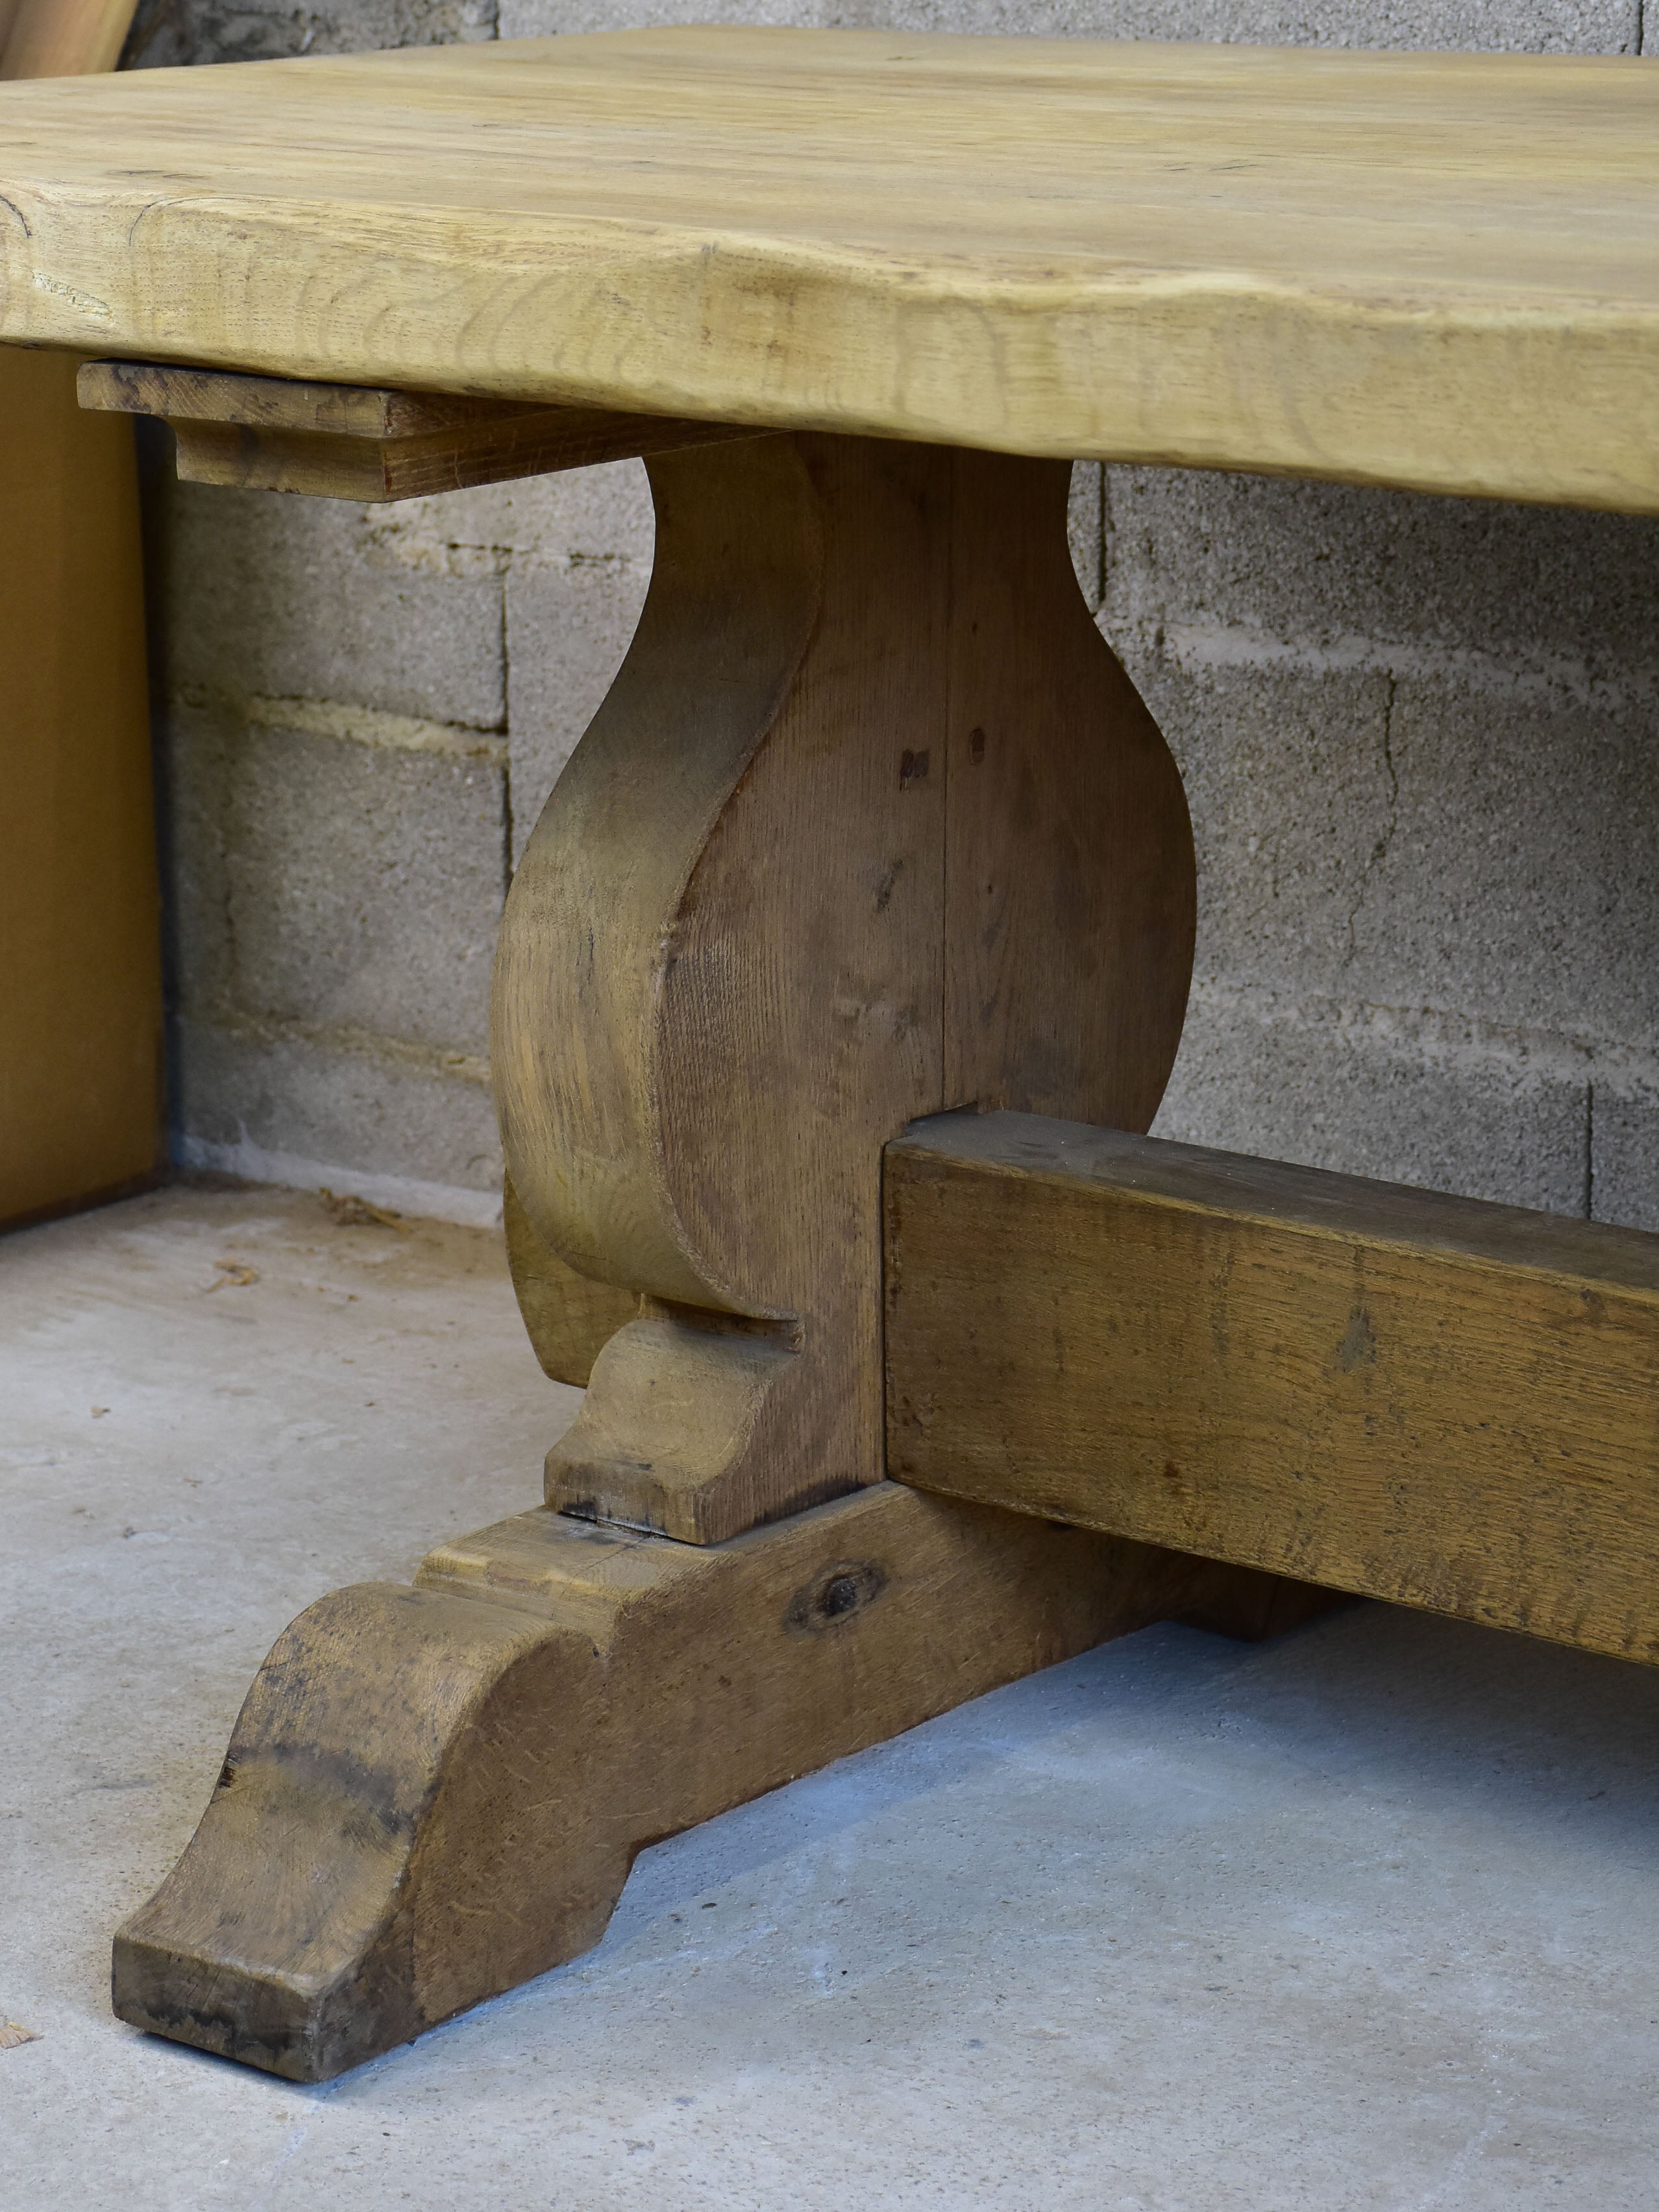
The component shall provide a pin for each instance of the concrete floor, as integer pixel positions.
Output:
(1364, 1918)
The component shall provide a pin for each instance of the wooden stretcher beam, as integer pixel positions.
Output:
(369, 442)
(1431, 1399)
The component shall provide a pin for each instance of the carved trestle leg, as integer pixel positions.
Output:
(871, 824)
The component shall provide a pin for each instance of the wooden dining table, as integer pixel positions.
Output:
(843, 973)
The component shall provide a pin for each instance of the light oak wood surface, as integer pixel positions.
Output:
(435, 1793)
(1432, 1400)
(1426, 270)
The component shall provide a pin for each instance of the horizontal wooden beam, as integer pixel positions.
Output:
(1431, 1399)
(352, 442)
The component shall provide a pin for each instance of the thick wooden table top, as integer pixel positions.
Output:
(1429, 270)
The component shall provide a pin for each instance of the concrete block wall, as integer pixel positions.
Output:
(1419, 737)
(362, 712)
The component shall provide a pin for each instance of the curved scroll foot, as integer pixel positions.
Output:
(433, 1794)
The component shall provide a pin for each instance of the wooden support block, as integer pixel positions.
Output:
(351, 441)
(433, 1794)
(1427, 1399)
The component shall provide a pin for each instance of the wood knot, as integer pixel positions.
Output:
(832, 1596)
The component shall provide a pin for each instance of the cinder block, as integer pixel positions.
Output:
(1287, 779)
(1624, 1151)
(1532, 587)
(193, 750)
(1408, 1100)
(386, 1114)
(582, 514)
(317, 879)
(579, 514)
(363, 885)
(1523, 27)
(1084, 521)
(1480, 844)
(568, 626)
(168, 33)
(262, 593)
(1516, 881)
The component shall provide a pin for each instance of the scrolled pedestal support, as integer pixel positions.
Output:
(871, 825)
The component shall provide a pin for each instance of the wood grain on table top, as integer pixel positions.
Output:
(1436, 271)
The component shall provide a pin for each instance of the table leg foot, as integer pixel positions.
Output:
(435, 1793)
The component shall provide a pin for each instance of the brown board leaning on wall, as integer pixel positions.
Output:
(80, 983)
